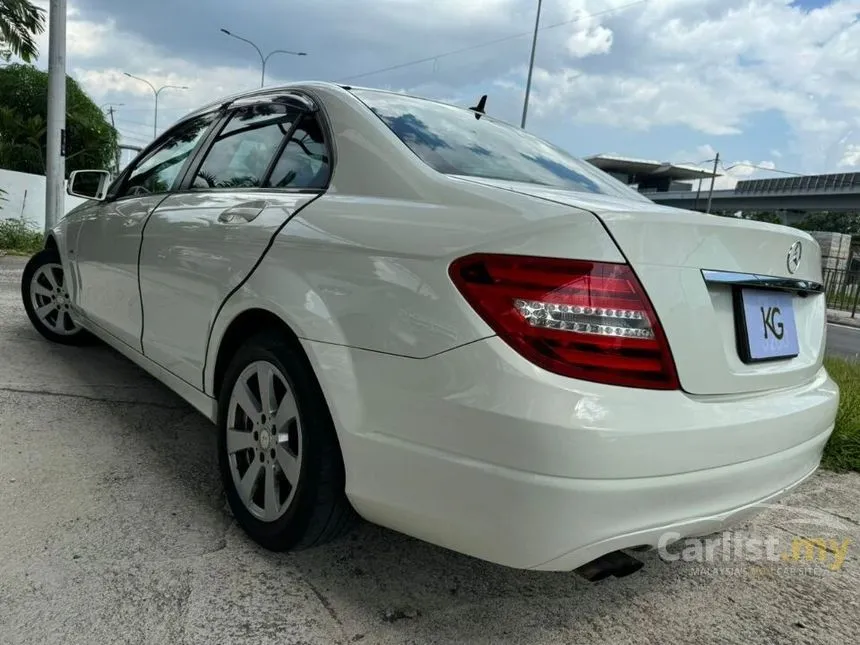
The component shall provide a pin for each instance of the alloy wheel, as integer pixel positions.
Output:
(264, 440)
(50, 300)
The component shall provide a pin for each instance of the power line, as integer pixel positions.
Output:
(160, 109)
(134, 137)
(491, 42)
(122, 119)
(752, 165)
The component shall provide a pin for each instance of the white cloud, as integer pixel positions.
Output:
(709, 66)
(587, 35)
(851, 155)
(730, 172)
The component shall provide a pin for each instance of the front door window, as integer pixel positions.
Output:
(157, 172)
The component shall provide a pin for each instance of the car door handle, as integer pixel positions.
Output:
(245, 212)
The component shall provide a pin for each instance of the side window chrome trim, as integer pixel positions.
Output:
(292, 99)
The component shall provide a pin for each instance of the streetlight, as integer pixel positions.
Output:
(263, 59)
(156, 92)
(531, 67)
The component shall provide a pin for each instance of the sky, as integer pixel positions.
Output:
(767, 83)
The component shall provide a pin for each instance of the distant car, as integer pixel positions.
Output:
(416, 312)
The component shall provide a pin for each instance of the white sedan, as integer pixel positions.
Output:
(414, 313)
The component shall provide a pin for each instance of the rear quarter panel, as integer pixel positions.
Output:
(366, 265)
(372, 273)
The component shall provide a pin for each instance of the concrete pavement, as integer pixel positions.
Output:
(113, 529)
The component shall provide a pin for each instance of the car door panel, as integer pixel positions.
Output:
(197, 248)
(104, 253)
(105, 265)
(203, 242)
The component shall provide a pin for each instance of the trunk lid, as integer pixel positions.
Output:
(669, 249)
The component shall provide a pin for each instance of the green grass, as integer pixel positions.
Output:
(18, 237)
(843, 450)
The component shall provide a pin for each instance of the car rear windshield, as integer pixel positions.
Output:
(452, 141)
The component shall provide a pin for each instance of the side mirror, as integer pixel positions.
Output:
(89, 184)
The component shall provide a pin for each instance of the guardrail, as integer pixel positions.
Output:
(843, 289)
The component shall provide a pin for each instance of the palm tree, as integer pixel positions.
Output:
(20, 21)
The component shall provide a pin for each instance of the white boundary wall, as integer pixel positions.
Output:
(25, 197)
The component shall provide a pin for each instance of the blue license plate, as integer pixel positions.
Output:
(767, 330)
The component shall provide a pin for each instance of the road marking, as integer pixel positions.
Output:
(832, 324)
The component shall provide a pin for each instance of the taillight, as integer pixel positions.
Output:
(587, 320)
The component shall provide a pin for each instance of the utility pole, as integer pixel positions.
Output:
(110, 110)
(698, 191)
(531, 67)
(55, 163)
(113, 125)
(713, 177)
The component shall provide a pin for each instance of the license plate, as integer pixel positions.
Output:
(766, 329)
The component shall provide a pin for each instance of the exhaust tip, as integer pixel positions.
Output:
(617, 564)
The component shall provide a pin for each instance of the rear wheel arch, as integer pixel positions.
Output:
(323, 512)
(244, 326)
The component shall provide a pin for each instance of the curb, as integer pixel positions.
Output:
(844, 319)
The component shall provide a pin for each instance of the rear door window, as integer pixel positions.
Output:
(242, 153)
(304, 162)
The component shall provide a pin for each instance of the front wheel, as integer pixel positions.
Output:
(279, 456)
(46, 300)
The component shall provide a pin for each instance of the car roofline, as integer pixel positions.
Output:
(262, 92)
(310, 85)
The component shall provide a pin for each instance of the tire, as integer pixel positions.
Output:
(288, 515)
(44, 284)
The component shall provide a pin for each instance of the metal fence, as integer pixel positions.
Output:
(843, 290)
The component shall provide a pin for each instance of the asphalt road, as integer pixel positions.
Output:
(113, 529)
(843, 341)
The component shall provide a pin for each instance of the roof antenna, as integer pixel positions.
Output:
(479, 108)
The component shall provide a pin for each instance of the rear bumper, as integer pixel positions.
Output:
(478, 451)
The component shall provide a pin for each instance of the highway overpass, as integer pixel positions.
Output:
(790, 197)
(793, 196)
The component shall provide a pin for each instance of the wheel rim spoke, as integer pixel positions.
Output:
(247, 485)
(288, 463)
(58, 325)
(271, 499)
(39, 290)
(48, 272)
(266, 379)
(286, 412)
(247, 401)
(43, 311)
(239, 440)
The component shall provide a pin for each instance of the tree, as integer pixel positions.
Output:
(91, 142)
(20, 21)
(835, 222)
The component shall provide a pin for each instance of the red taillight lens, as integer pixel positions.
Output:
(586, 320)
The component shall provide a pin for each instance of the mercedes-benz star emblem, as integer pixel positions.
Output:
(794, 253)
